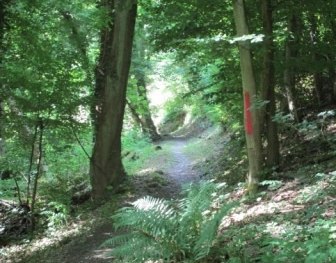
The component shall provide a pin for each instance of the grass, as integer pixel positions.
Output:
(138, 152)
(208, 142)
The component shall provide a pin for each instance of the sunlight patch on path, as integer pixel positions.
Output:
(102, 254)
(181, 170)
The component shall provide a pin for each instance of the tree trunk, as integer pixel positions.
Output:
(111, 84)
(318, 77)
(332, 69)
(252, 127)
(268, 84)
(148, 125)
(332, 82)
(135, 115)
(141, 114)
(38, 172)
(3, 18)
(289, 76)
(3, 27)
(141, 105)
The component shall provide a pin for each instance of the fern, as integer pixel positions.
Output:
(208, 233)
(150, 222)
(154, 229)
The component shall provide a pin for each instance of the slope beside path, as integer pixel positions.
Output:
(176, 167)
(178, 171)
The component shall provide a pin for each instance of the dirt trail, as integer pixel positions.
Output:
(181, 171)
(87, 250)
(177, 167)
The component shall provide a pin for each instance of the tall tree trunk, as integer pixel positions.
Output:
(111, 84)
(332, 67)
(136, 117)
(148, 125)
(289, 75)
(141, 105)
(3, 27)
(268, 85)
(252, 126)
(318, 77)
(3, 18)
(38, 172)
(332, 82)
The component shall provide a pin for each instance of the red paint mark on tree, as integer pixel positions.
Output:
(248, 114)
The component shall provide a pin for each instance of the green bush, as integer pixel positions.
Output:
(56, 215)
(312, 244)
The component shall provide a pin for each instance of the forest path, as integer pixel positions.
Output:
(174, 164)
(181, 171)
(177, 168)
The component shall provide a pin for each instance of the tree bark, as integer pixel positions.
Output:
(332, 69)
(141, 105)
(136, 118)
(3, 18)
(268, 85)
(141, 114)
(289, 75)
(252, 126)
(38, 172)
(318, 77)
(148, 125)
(111, 84)
(3, 27)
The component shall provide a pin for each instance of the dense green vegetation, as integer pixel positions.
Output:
(120, 99)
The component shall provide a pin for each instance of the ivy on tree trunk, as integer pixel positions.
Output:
(111, 82)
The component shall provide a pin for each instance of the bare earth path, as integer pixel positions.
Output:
(176, 166)
(181, 171)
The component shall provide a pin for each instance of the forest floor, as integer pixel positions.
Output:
(299, 196)
(176, 163)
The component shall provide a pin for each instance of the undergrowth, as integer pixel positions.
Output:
(156, 229)
(307, 235)
(137, 149)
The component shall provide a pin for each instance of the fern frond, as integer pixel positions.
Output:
(151, 222)
(158, 230)
(157, 218)
(208, 232)
(199, 199)
(118, 240)
(137, 249)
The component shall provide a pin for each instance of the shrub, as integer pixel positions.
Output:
(316, 244)
(56, 215)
